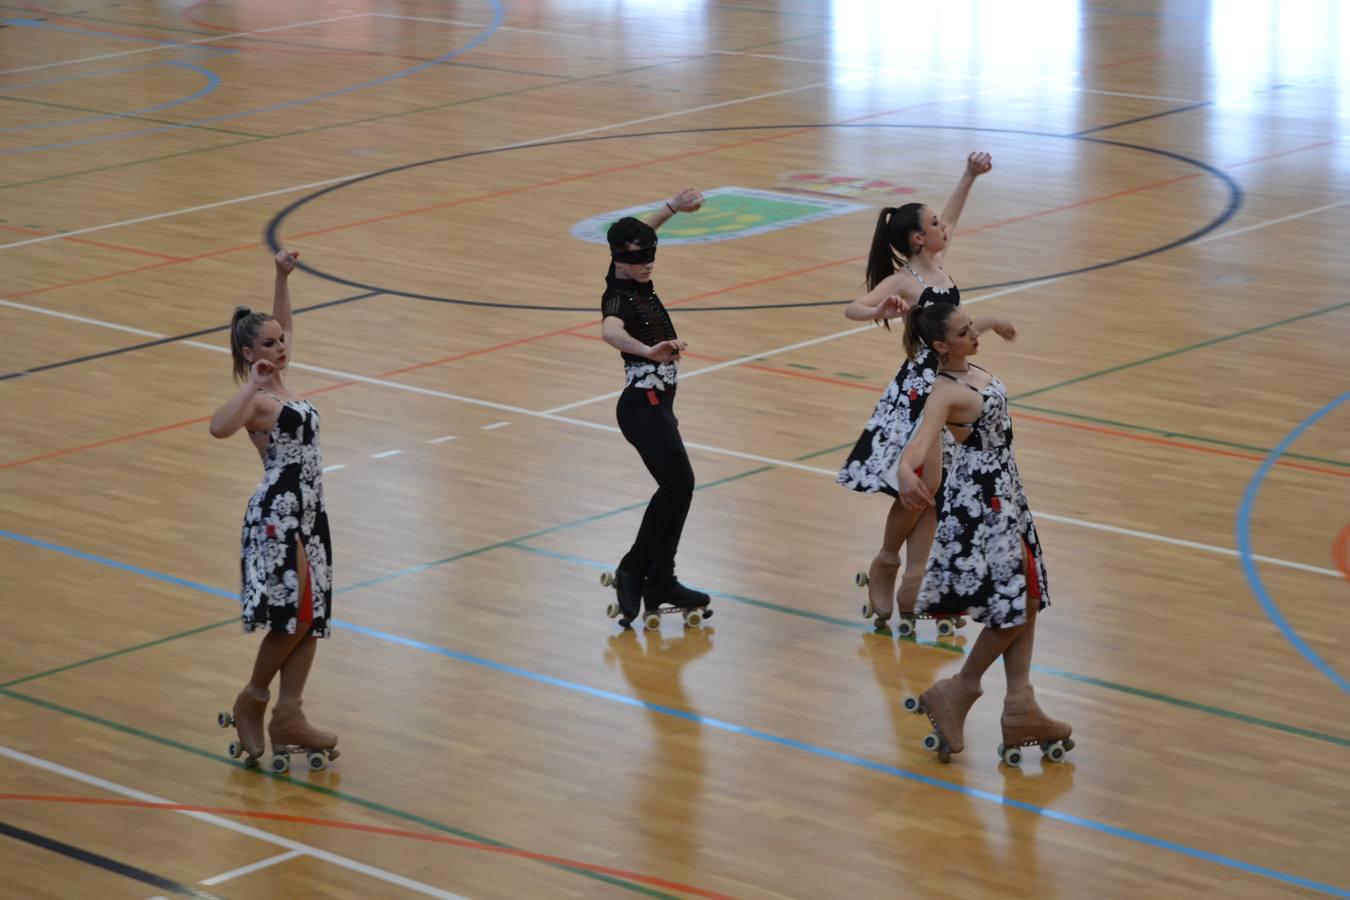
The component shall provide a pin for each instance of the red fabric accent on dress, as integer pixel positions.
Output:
(1033, 578)
(306, 611)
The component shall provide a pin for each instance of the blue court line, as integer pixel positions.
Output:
(1244, 545)
(212, 82)
(90, 32)
(498, 16)
(746, 731)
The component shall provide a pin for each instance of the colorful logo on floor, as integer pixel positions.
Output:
(728, 213)
(827, 185)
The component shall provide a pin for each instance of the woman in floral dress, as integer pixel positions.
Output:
(285, 566)
(916, 238)
(986, 561)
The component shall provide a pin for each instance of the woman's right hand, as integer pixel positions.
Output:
(260, 372)
(914, 494)
(666, 351)
(892, 307)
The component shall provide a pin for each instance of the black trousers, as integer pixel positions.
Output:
(647, 420)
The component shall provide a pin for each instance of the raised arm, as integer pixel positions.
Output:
(281, 291)
(976, 165)
(687, 200)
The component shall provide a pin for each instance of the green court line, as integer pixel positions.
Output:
(1177, 352)
(374, 805)
(857, 625)
(1179, 434)
(116, 115)
(122, 652)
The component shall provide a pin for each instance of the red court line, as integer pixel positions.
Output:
(1340, 551)
(78, 240)
(146, 433)
(373, 829)
(1033, 417)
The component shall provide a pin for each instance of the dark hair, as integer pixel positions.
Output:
(629, 230)
(890, 240)
(926, 325)
(244, 327)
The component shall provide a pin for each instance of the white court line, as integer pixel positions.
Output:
(499, 27)
(334, 467)
(1289, 218)
(495, 425)
(736, 454)
(219, 37)
(237, 827)
(520, 144)
(251, 867)
(441, 440)
(386, 454)
(741, 360)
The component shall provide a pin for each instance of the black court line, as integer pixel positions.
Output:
(1233, 189)
(1180, 109)
(103, 862)
(169, 340)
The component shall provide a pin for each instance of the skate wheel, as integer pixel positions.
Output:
(912, 705)
(1068, 744)
(905, 628)
(960, 622)
(280, 762)
(607, 579)
(1012, 756)
(653, 621)
(932, 742)
(946, 628)
(317, 763)
(1055, 752)
(224, 720)
(235, 750)
(944, 755)
(693, 618)
(707, 612)
(612, 610)
(860, 579)
(867, 611)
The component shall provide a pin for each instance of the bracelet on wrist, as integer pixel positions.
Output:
(671, 208)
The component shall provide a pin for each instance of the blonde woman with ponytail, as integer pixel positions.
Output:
(285, 563)
(905, 273)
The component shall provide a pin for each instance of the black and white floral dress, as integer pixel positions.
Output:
(986, 561)
(288, 507)
(871, 466)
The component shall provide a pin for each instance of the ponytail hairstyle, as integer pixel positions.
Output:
(244, 327)
(926, 325)
(890, 240)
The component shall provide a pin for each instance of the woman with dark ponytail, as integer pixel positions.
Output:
(286, 560)
(987, 562)
(905, 274)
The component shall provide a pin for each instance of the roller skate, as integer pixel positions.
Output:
(628, 589)
(946, 703)
(946, 624)
(879, 579)
(673, 597)
(247, 719)
(292, 734)
(1025, 725)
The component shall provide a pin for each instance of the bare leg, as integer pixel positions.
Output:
(289, 726)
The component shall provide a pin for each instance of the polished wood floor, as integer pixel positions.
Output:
(1165, 224)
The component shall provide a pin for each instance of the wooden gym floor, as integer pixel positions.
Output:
(1165, 223)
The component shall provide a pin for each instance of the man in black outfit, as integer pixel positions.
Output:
(637, 325)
